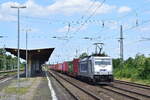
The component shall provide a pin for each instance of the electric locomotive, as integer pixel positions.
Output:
(96, 69)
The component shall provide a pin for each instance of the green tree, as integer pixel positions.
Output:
(8, 61)
(83, 55)
(134, 68)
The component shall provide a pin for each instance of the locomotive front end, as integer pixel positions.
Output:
(103, 70)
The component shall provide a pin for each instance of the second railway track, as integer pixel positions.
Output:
(133, 84)
(104, 92)
(77, 92)
(135, 91)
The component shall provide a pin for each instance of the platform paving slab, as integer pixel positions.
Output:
(35, 88)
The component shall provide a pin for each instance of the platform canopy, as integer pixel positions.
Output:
(41, 54)
(36, 57)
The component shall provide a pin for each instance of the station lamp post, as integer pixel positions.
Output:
(26, 31)
(18, 64)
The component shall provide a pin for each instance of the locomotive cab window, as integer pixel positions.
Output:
(102, 63)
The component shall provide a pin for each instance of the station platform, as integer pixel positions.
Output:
(39, 87)
(33, 88)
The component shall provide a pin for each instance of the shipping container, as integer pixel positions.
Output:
(70, 65)
(56, 67)
(75, 67)
(51, 67)
(60, 67)
(65, 67)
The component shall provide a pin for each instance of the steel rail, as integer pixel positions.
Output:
(147, 96)
(123, 94)
(75, 97)
(133, 84)
(80, 88)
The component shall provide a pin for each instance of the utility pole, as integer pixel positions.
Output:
(18, 63)
(121, 44)
(76, 53)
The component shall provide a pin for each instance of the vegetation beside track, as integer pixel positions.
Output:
(8, 62)
(134, 69)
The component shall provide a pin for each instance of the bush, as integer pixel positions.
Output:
(137, 68)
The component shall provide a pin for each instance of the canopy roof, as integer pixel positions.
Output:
(41, 54)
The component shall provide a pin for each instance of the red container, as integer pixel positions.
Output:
(53, 67)
(60, 67)
(56, 67)
(65, 67)
(75, 67)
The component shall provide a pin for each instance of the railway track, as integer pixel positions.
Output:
(8, 76)
(8, 71)
(107, 92)
(126, 92)
(133, 84)
(78, 96)
(4, 76)
(120, 93)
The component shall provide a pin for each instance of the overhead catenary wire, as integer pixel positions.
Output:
(92, 14)
(92, 4)
(133, 27)
(86, 21)
(72, 21)
(125, 30)
(48, 19)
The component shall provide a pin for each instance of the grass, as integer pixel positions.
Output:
(22, 90)
(24, 79)
(14, 90)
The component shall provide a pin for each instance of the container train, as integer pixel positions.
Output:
(95, 69)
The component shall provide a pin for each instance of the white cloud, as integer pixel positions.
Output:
(78, 6)
(124, 9)
(6, 12)
(64, 7)
(6, 17)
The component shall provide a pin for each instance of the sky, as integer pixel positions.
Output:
(70, 21)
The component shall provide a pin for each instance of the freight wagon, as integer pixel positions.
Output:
(91, 68)
(65, 67)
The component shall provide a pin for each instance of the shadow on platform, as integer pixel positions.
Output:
(38, 74)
